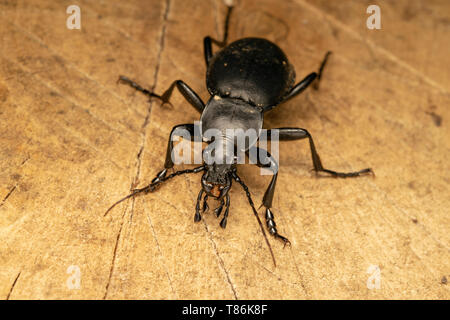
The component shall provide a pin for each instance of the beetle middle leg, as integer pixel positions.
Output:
(298, 134)
(309, 79)
(207, 41)
(190, 95)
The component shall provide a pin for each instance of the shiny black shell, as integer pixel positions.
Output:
(252, 69)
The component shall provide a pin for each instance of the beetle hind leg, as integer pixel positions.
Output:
(190, 95)
(319, 74)
(197, 216)
(208, 41)
(138, 87)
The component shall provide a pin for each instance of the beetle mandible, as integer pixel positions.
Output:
(245, 79)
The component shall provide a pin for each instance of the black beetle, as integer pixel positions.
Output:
(245, 79)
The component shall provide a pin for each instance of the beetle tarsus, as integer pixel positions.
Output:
(197, 216)
(319, 74)
(367, 171)
(205, 204)
(139, 88)
(223, 222)
(218, 210)
(272, 226)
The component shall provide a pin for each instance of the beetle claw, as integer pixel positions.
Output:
(205, 204)
(223, 222)
(285, 240)
(197, 217)
(167, 104)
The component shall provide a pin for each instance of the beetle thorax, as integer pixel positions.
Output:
(231, 121)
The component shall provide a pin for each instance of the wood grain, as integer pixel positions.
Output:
(73, 141)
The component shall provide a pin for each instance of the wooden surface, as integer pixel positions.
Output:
(73, 141)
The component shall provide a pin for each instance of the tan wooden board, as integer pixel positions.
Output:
(73, 141)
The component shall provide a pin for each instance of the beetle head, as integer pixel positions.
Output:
(216, 181)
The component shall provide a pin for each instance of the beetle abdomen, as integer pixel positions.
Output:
(253, 69)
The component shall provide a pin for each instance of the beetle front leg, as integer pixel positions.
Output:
(218, 210)
(223, 222)
(265, 160)
(197, 216)
(205, 204)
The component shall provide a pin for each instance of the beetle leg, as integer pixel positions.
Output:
(218, 210)
(223, 222)
(207, 41)
(190, 128)
(136, 86)
(264, 159)
(272, 226)
(205, 204)
(297, 134)
(197, 216)
(184, 89)
(309, 79)
(187, 93)
(322, 66)
(300, 87)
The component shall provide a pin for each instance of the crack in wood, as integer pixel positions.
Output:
(13, 285)
(7, 195)
(144, 130)
(113, 261)
(221, 262)
(161, 254)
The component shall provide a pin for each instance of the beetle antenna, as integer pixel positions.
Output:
(156, 182)
(250, 201)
